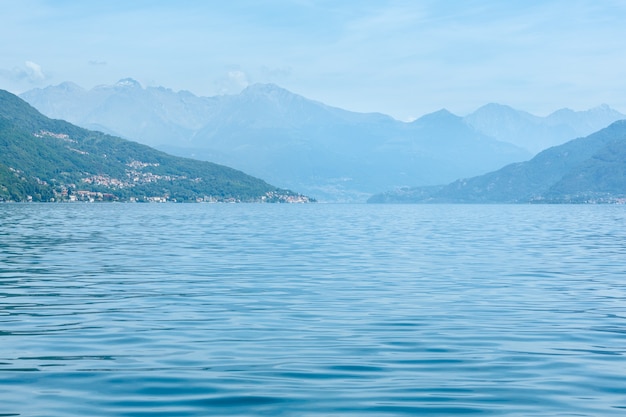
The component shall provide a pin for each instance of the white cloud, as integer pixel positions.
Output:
(33, 72)
(239, 78)
(28, 75)
(233, 82)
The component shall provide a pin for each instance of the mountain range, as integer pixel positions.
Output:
(158, 116)
(323, 151)
(284, 138)
(42, 159)
(584, 170)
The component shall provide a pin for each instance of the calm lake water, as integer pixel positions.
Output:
(312, 310)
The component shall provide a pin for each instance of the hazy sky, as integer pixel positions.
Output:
(402, 58)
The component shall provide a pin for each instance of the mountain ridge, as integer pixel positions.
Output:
(590, 169)
(537, 133)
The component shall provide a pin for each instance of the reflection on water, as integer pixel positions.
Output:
(351, 310)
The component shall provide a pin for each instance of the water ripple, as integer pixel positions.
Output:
(193, 310)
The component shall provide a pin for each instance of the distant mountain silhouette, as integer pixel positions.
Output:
(590, 169)
(289, 140)
(538, 133)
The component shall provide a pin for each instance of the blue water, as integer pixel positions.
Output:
(312, 310)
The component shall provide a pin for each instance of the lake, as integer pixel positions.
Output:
(312, 310)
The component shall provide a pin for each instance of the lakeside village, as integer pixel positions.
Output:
(97, 197)
(67, 195)
(73, 192)
(93, 196)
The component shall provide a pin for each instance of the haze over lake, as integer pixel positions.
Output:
(312, 310)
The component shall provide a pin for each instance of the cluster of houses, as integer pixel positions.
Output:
(277, 197)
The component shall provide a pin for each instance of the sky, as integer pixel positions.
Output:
(401, 58)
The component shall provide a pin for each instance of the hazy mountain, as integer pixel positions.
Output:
(589, 169)
(43, 159)
(538, 133)
(342, 155)
(153, 115)
(285, 138)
